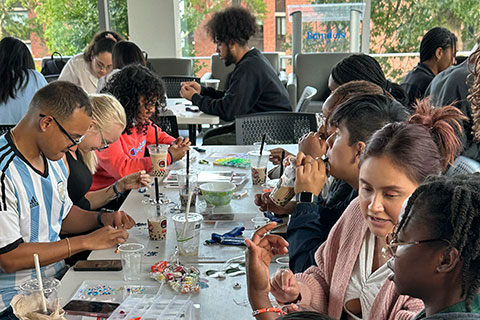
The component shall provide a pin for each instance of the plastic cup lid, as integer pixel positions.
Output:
(192, 217)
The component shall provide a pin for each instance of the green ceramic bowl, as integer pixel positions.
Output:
(218, 193)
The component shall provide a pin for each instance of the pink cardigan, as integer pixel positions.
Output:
(323, 287)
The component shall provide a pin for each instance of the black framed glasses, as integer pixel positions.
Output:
(105, 143)
(393, 243)
(65, 132)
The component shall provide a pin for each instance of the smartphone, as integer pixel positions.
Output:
(98, 265)
(90, 308)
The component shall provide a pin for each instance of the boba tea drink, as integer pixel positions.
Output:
(159, 155)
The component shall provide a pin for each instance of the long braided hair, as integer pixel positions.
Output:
(450, 206)
(364, 67)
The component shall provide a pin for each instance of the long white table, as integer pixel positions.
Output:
(220, 300)
(192, 119)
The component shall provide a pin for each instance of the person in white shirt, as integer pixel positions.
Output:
(86, 68)
(34, 202)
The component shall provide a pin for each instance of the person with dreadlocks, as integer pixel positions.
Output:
(437, 52)
(350, 277)
(363, 67)
(140, 92)
(436, 248)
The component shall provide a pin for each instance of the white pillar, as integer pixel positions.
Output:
(155, 27)
(366, 27)
(355, 30)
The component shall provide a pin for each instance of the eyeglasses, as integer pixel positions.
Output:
(393, 243)
(74, 142)
(105, 143)
(101, 66)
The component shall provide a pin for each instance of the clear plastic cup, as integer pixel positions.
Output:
(156, 218)
(159, 156)
(188, 233)
(131, 254)
(260, 222)
(258, 165)
(186, 185)
(50, 287)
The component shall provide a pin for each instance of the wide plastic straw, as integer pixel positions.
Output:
(281, 163)
(188, 171)
(40, 283)
(187, 211)
(263, 143)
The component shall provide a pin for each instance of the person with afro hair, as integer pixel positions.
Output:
(253, 86)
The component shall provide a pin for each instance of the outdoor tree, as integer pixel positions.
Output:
(69, 25)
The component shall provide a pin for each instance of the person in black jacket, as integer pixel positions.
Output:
(254, 86)
(437, 52)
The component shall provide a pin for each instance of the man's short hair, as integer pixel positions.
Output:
(60, 99)
(235, 24)
(363, 115)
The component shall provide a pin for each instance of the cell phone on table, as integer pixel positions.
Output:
(90, 308)
(98, 265)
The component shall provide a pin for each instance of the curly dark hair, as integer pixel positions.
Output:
(474, 92)
(234, 24)
(450, 207)
(129, 85)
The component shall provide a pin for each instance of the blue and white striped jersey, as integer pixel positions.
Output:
(32, 207)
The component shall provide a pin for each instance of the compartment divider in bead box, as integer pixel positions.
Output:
(113, 290)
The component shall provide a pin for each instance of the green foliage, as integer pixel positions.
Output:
(14, 23)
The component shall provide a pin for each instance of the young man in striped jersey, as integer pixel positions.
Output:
(34, 203)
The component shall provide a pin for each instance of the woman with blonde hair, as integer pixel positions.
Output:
(108, 123)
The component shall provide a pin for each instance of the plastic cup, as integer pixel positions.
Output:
(131, 254)
(156, 219)
(258, 166)
(260, 222)
(50, 287)
(158, 155)
(184, 189)
(188, 237)
(212, 83)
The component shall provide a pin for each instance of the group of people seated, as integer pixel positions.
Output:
(376, 231)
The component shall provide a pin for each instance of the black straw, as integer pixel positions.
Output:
(263, 143)
(157, 197)
(281, 163)
(188, 170)
(156, 135)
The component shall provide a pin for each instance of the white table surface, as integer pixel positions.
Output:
(177, 105)
(217, 301)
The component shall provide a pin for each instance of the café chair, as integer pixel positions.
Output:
(312, 69)
(279, 127)
(5, 127)
(168, 124)
(173, 84)
(305, 99)
(463, 165)
(172, 66)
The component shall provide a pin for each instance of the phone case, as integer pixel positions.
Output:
(98, 265)
(90, 308)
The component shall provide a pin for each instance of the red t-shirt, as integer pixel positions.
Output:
(126, 156)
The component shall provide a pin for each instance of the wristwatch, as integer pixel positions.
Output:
(306, 197)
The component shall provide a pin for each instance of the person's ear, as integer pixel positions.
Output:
(439, 53)
(359, 147)
(45, 122)
(449, 260)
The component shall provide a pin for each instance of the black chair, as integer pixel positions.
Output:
(463, 165)
(5, 127)
(167, 123)
(280, 127)
(173, 84)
